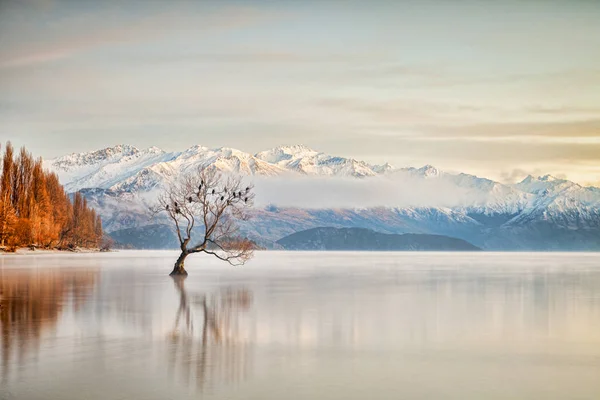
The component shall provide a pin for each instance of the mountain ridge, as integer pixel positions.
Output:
(271, 156)
(121, 181)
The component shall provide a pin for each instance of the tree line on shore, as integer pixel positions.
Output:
(35, 210)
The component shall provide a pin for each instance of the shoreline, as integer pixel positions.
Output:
(23, 251)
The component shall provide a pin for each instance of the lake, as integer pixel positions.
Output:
(305, 325)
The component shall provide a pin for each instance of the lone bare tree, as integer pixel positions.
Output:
(208, 204)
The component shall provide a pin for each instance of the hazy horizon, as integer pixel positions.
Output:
(499, 90)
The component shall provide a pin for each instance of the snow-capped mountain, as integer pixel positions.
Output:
(307, 161)
(126, 168)
(480, 195)
(105, 168)
(560, 201)
(543, 212)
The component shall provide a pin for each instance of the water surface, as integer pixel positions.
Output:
(301, 326)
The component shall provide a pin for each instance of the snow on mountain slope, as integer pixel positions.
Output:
(537, 213)
(144, 180)
(427, 171)
(478, 195)
(544, 183)
(74, 166)
(283, 154)
(489, 197)
(104, 168)
(127, 168)
(560, 193)
(560, 201)
(307, 161)
(225, 159)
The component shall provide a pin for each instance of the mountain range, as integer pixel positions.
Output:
(538, 213)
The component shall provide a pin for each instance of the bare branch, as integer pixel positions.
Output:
(216, 201)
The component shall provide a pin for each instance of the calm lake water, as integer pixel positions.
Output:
(301, 326)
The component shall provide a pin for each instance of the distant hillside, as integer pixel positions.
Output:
(366, 239)
(147, 237)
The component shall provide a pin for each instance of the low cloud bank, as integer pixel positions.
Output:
(335, 192)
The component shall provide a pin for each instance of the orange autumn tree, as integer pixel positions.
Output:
(36, 211)
(7, 212)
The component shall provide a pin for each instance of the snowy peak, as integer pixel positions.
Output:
(296, 149)
(548, 178)
(126, 169)
(154, 150)
(118, 153)
(284, 153)
(304, 160)
(95, 157)
(118, 166)
(544, 184)
(384, 168)
(478, 195)
(428, 171)
(225, 159)
(103, 168)
(195, 150)
(527, 180)
(559, 201)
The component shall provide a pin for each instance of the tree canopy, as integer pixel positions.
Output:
(36, 211)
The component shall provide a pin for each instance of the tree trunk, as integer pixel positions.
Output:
(178, 269)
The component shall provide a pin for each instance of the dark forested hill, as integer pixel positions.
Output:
(366, 239)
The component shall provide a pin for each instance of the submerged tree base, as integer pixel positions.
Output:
(178, 271)
(178, 268)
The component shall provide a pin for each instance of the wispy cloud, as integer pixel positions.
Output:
(141, 29)
(588, 129)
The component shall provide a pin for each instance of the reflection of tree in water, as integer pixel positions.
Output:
(31, 301)
(209, 352)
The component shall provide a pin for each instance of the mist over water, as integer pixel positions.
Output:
(301, 325)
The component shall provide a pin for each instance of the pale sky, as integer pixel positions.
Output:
(495, 88)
